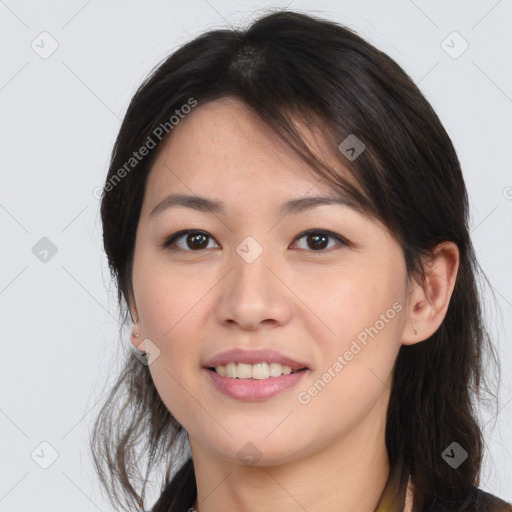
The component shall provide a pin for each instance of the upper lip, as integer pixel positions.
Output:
(238, 355)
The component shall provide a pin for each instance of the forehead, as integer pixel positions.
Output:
(223, 146)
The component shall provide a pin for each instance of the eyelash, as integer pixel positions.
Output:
(171, 240)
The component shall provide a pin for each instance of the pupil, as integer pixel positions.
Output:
(316, 238)
(193, 238)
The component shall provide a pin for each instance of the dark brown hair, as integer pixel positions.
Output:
(287, 66)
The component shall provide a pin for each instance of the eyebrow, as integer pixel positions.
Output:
(204, 204)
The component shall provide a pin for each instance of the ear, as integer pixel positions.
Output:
(428, 301)
(135, 336)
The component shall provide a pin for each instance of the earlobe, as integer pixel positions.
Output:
(429, 300)
(137, 340)
(137, 343)
(135, 336)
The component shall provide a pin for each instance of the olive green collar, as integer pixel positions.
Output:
(393, 497)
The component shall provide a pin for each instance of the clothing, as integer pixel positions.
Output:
(480, 502)
(180, 495)
(398, 497)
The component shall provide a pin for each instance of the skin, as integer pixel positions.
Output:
(328, 454)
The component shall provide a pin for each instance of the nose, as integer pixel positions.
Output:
(254, 293)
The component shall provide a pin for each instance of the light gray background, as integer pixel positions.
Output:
(58, 119)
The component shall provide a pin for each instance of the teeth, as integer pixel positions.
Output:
(244, 371)
(260, 371)
(275, 369)
(255, 371)
(231, 370)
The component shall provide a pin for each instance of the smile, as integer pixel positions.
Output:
(257, 371)
(251, 389)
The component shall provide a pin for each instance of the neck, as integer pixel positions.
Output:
(349, 474)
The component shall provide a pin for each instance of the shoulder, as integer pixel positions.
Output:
(487, 502)
(477, 501)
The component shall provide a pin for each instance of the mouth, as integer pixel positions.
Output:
(254, 382)
(259, 371)
(260, 364)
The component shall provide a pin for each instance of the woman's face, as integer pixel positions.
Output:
(250, 280)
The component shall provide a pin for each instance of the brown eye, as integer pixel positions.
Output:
(194, 241)
(190, 241)
(318, 240)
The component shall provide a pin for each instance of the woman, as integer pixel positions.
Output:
(287, 222)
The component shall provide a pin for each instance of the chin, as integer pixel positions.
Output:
(258, 451)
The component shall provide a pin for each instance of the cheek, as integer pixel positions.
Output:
(349, 299)
(360, 310)
(165, 298)
(169, 304)
(356, 362)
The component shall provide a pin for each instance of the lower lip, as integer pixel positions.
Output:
(254, 389)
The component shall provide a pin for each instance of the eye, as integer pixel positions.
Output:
(318, 239)
(193, 241)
